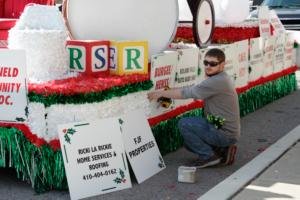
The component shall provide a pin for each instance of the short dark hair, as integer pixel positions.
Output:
(217, 53)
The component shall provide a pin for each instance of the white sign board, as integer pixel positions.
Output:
(269, 45)
(279, 53)
(201, 68)
(140, 145)
(242, 64)
(289, 51)
(276, 23)
(163, 68)
(13, 88)
(231, 60)
(264, 21)
(256, 59)
(186, 71)
(94, 157)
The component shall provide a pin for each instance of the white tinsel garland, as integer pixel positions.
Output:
(41, 32)
(62, 114)
(45, 52)
(36, 119)
(41, 17)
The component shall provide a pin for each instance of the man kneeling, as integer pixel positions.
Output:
(212, 138)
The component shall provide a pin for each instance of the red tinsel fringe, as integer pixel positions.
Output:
(221, 35)
(84, 84)
(27, 133)
(171, 114)
(155, 120)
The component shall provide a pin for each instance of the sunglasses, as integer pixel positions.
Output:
(211, 64)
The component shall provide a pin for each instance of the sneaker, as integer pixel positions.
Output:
(200, 163)
(228, 156)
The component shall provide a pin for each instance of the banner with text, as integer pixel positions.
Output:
(94, 157)
(13, 88)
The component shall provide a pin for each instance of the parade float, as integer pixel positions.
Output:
(108, 66)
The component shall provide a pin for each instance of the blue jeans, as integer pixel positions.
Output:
(201, 137)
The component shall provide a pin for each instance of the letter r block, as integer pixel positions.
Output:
(89, 57)
(128, 58)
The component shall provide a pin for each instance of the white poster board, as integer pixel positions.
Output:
(163, 68)
(256, 59)
(289, 59)
(140, 145)
(13, 88)
(264, 21)
(231, 60)
(279, 53)
(201, 68)
(242, 64)
(94, 157)
(276, 23)
(186, 71)
(269, 45)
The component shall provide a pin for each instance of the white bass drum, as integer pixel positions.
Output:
(154, 21)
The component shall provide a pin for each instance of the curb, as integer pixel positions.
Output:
(235, 182)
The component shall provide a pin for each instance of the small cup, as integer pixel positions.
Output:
(187, 174)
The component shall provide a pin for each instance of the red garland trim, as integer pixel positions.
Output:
(234, 34)
(84, 84)
(55, 144)
(27, 133)
(171, 114)
(221, 35)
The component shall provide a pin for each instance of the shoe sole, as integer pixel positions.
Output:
(231, 155)
(215, 162)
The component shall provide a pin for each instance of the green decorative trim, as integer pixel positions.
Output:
(44, 168)
(167, 135)
(261, 95)
(90, 97)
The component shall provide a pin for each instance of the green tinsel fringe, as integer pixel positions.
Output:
(89, 97)
(44, 167)
(167, 134)
(261, 95)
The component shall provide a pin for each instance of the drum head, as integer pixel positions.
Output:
(204, 23)
(154, 21)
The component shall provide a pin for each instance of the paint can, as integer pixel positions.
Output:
(187, 174)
